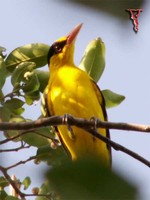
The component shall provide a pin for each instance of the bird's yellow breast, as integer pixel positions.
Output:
(71, 92)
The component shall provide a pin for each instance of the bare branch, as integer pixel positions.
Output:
(72, 121)
(47, 196)
(21, 162)
(15, 149)
(88, 125)
(17, 190)
(12, 183)
(15, 137)
(119, 147)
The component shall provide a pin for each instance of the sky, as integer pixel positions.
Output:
(127, 69)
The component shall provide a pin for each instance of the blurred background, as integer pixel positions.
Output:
(127, 69)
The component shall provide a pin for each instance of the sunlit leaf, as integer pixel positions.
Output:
(36, 53)
(19, 72)
(3, 73)
(93, 61)
(2, 49)
(112, 99)
(26, 182)
(32, 83)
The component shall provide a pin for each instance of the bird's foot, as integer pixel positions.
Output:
(70, 130)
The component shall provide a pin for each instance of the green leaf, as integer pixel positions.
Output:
(3, 73)
(14, 105)
(2, 49)
(93, 61)
(43, 77)
(38, 137)
(31, 97)
(26, 182)
(32, 83)
(12, 133)
(3, 183)
(19, 72)
(45, 189)
(36, 53)
(11, 198)
(3, 195)
(53, 157)
(4, 114)
(25, 74)
(88, 180)
(1, 96)
(112, 99)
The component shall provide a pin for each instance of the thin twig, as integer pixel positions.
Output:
(17, 190)
(23, 133)
(14, 149)
(12, 183)
(21, 162)
(15, 137)
(48, 196)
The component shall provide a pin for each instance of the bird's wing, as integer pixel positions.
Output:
(102, 104)
(44, 104)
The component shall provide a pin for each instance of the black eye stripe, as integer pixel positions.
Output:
(56, 48)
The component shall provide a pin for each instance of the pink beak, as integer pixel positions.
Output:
(73, 34)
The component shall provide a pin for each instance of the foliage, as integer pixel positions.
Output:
(88, 180)
(113, 9)
(28, 83)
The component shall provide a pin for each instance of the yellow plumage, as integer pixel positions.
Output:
(71, 91)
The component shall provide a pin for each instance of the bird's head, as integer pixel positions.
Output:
(62, 50)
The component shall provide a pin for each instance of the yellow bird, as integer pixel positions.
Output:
(72, 91)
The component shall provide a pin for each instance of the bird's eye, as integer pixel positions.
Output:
(57, 48)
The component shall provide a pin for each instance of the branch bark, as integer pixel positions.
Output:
(12, 183)
(89, 125)
(73, 121)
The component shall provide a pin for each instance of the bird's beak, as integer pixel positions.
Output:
(73, 34)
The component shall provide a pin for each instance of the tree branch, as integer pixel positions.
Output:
(22, 146)
(21, 162)
(88, 125)
(12, 183)
(119, 147)
(72, 121)
(17, 190)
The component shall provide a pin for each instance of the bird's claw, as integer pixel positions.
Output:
(70, 130)
(95, 120)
